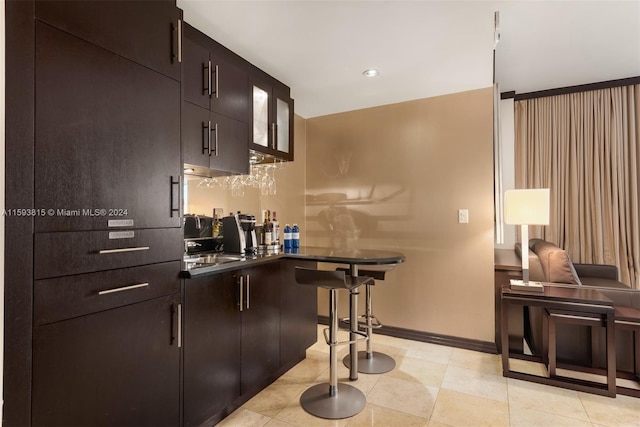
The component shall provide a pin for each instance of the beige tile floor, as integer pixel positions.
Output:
(434, 386)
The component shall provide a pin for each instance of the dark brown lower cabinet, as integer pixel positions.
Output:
(298, 314)
(232, 339)
(212, 331)
(260, 326)
(118, 367)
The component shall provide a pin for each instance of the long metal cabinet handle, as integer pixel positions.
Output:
(172, 199)
(241, 291)
(174, 42)
(179, 40)
(124, 288)
(248, 292)
(115, 251)
(206, 138)
(217, 87)
(179, 325)
(206, 78)
(216, 140)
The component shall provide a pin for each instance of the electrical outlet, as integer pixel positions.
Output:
(463, 216)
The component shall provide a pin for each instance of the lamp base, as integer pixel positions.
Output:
(521, 285)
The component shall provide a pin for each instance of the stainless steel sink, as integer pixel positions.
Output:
(207, 260)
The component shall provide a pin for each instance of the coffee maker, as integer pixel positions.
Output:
(233, 236)
(248, 223)
(239, 234)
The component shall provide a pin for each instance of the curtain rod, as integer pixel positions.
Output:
(571, 89)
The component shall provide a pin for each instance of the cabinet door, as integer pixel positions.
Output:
(284, 123)
(214, 141)
(260, 326)
(299, 314)
(107, 136)
(229, 145)
(211, 346)
(272, 118)
(142, 31)
(229, 88)
(196, 74)
(261, 117)
(196, 135)
(117, 367)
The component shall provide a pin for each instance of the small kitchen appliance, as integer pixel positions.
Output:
(233, 235)
(248, 223)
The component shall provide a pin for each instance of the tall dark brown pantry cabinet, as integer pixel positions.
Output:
(93, 303)
(107, 137)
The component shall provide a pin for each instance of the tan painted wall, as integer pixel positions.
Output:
(394, 177)
(288, 201)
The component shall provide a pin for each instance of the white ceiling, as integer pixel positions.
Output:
(422, 48)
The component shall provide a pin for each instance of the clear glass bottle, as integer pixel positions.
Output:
(275, 229)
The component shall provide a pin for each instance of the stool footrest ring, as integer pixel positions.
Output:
(364, 336)
(363, 324)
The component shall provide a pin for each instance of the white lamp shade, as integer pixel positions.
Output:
(527, 206)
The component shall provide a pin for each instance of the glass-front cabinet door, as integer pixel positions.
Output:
(261, 120)
(284, 123)
(272, 119)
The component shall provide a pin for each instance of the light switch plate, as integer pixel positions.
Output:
(463, 216)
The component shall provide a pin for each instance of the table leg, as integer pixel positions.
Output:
(611, 353)
(635, 334)
(504, 336)
(353, 327)
(552, 343)
(545, 338)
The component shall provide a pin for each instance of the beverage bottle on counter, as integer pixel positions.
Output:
(215, 228)
(295, 236)
(266, 229)
(287, 237)
(275, 229)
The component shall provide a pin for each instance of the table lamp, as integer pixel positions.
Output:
(526, 207)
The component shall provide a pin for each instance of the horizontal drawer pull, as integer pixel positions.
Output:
(124, 288)
(571, 316)
(115, 251)
(627, 322)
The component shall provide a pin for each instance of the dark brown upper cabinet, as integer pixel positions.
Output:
(107, 137)
(215, 112)
(146, 32)
(214, 78)
(272, 117)
(214, 141)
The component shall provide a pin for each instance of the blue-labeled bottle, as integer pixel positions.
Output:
(287, 237)
(295, 236)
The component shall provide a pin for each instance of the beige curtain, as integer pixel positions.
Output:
(585, 147)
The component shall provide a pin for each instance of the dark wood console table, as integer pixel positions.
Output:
(571, 302)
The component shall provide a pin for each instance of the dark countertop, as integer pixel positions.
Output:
(308, 253)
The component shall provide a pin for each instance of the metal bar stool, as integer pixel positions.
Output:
(369, 361)
(332, 400)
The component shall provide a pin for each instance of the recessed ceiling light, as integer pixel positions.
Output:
(372, 72)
